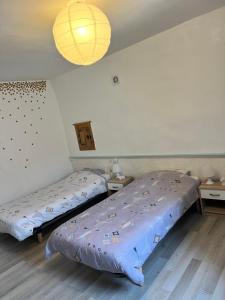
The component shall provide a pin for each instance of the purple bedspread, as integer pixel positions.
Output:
(119, 234)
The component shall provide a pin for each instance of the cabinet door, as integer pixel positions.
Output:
(85, 136)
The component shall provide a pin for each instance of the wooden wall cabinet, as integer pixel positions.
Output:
(85, 136)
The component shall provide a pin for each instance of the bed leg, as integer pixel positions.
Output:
(200, 206)
(40, 237)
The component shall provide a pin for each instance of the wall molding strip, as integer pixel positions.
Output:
(144, 156)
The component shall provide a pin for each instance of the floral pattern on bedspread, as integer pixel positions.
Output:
(21, 216)
(118, 234)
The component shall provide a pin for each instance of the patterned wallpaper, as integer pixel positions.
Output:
(21, 112)
(33, 149)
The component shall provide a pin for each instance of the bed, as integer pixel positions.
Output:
(119, 234)
(21, 217)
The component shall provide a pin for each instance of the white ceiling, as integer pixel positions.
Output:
(27, 50)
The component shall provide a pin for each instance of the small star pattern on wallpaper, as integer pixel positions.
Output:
(21, 112)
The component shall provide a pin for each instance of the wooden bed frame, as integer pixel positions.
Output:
(38, 231)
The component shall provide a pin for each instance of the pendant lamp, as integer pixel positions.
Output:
(82, 33)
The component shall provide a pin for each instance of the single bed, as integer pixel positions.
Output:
(21, 217)
(119, 234)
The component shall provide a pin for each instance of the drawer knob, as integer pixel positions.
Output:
(215, 195)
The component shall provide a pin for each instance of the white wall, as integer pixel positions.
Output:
(33, 148)
(202, 167)
(170, 98)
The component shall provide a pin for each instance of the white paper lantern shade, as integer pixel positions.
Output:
(82, 33)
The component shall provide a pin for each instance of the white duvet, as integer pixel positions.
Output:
(19, 217)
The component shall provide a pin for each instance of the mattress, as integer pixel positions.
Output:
(119, 234)
(19, 217)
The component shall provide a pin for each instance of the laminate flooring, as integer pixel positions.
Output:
(189, 264)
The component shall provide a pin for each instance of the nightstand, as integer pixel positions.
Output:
(213, 198)
(116, 184)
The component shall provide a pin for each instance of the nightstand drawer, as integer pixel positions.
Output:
(114, 186)
(213, 194)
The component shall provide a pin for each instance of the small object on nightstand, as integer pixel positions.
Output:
(116, 170)
(115, 184)
(209, 181)
(208, 174)
(222, 180)
(213, 198)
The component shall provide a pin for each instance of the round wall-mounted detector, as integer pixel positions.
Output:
(116, 80)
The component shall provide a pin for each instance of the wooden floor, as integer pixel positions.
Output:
(188, 264)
